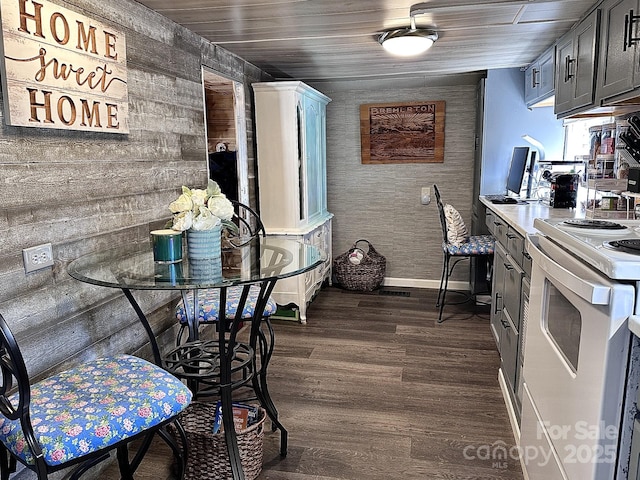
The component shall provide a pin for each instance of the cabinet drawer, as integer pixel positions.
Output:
(509, 352)
(515, 245)
(513, 291)
(489, 218)
(500, 229)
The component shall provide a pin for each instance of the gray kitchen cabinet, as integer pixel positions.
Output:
(511, 322)
(509, 355)
(617, 64)
(539, 78)
(512, 289)
(497, 289)
(576, 66)
(510, 264)
(524, 317)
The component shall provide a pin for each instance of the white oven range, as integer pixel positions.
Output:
(581, 364)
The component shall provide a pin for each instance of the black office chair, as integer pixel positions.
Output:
(458, 245)
(78, 416)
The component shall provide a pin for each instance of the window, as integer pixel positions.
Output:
(563, 324)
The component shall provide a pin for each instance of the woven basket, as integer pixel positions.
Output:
(366, 276)
(208, 457)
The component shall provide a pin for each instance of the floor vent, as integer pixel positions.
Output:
(395, 293)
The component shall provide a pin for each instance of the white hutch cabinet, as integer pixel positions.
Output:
(292, 179)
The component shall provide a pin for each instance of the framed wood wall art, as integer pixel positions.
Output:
(411, 132)
(61, 69)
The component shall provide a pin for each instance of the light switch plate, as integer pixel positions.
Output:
(425, 196)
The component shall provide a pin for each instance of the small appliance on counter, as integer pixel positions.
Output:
(633, 180)
(559, 175)
(564, 190)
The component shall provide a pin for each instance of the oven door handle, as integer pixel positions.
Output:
(594, 293)
(634, 324)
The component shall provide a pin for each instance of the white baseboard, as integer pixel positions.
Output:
(511, 412)
(421, 283)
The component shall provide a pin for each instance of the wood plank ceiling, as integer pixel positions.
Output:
(337, 39)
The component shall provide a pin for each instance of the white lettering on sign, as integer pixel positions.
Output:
(61, 69)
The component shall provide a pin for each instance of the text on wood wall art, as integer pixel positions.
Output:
(410, 132)
(61, 69)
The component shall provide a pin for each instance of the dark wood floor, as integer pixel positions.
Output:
(372, 388)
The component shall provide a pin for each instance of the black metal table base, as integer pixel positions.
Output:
(223, 365)
(251, 268)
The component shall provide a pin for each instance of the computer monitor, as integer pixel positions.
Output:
(517, 168)
(532, 173)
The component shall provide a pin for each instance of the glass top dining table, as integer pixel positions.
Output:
(133, 267)
(257, 264)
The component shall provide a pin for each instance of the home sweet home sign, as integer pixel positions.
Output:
(61, 69)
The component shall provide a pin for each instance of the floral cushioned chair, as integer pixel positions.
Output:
(80, 415)
(248, 226)
(240, 302)
(458, 244)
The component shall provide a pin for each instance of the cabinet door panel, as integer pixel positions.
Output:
(576, 65)
(312, 160)
(300, 152)
(547, 65)
(515, 245)
(489, 220)
(512, 291)
(564, 66)
(539, 78)
(531, 79)
(509, 352)
(497, 288)
(585, 53)
(615, 69)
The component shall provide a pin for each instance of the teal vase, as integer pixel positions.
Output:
(204, 244)
(203, 250)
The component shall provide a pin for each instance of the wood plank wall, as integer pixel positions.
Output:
(88, 191)
(381, 203)
(221, 125)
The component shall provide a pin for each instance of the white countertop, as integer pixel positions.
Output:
(521, 216)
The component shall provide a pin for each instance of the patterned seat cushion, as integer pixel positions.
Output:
(209, 305)
(94, 406)
(474, 245)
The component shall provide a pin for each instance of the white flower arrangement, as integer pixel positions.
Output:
(199, 209)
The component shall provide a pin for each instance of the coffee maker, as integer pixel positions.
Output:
(564, 190)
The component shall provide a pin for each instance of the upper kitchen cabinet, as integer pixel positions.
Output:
(539, 78)
(576, 66)
(618, 63)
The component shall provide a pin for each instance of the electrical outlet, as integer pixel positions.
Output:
(425, 195)
(35, 258)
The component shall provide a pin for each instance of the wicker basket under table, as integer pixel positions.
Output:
(366, 276)
(208, 457)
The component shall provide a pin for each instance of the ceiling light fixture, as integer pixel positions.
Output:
(407, 42)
